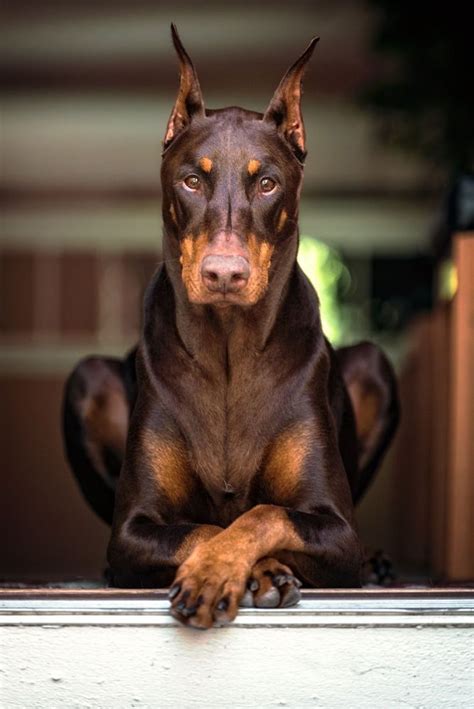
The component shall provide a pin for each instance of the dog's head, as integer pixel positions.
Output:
(231, 180)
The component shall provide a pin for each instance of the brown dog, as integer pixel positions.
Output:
(249, 437)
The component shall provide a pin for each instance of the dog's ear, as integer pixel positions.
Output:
(285, 107)
(189, 100)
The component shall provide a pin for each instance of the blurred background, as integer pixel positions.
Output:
(386, 219)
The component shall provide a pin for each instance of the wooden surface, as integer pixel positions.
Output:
(440, 367)
(460, 493)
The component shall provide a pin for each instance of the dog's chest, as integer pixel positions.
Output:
(228, 419)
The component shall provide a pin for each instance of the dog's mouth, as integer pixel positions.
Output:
(201, 294)
(224, 300)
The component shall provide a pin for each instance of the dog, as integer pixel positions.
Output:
(229, 448)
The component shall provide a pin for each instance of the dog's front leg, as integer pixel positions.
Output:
(211, 582)
(144, 553)
(157, 503)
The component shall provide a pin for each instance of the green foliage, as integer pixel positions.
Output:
(328, 274)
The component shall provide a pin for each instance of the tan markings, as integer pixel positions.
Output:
(263, 530)
(170, 466)
(253, 166)
(282, 220)
(259, 532)
(173, 214)
(366, 405)
(206, 164)
(285, 462)
(191, 541)
(191, 256)
(260, 260)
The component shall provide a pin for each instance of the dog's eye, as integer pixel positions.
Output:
(192, 182)
(267, 185)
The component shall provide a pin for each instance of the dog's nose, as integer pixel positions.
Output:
(225, 274)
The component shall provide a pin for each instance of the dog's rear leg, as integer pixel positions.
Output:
(372, 387)
(98, 398)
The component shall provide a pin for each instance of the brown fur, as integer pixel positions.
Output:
(242, 442)
(105, 415)
(194, 539)
(366, 402)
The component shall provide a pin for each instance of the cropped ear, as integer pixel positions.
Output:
(189, 101)
(284, 109)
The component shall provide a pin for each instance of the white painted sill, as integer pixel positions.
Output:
(111, 649)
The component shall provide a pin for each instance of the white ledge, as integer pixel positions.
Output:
(110, 649)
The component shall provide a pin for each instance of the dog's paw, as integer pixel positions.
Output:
(378, 570)
(271, 585)
(208, 588)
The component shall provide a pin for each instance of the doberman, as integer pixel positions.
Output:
(249, 437)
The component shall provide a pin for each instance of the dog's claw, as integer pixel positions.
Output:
(290, 597)
(173, 592)
(281, 579)
(223, 604)
(253, 585)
